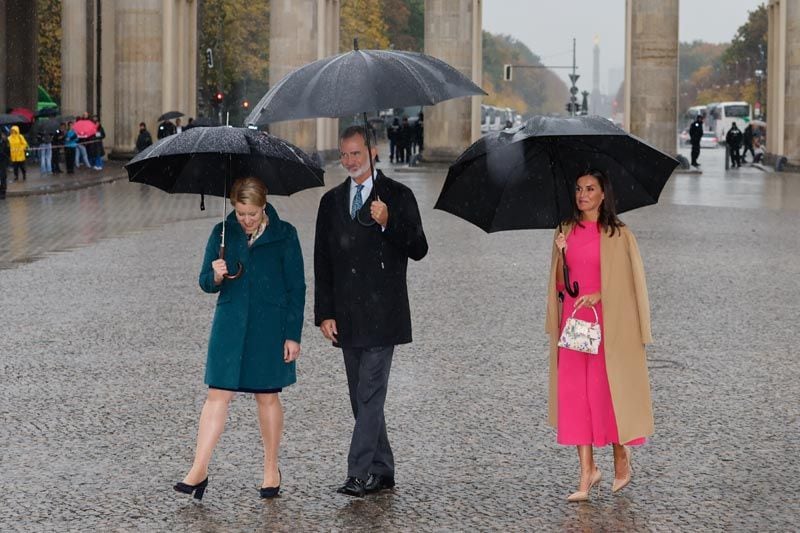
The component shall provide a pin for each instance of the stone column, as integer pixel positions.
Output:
(21, 55)
(294, 33)
(138, 58)
(107, 88)
(327, 45)
(791, 134)
(74, 67)
(3, 37)
(651, 71)
(453, 34)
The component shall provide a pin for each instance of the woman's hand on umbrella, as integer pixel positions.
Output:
(561, 242)
(291, 350)
(587, 300)
(379, 212)
(220, 269)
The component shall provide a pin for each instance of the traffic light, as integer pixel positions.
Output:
(245, 104)
(219, 97)
(209, 58)
(507, 72)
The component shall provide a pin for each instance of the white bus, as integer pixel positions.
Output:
(495, 118)
(723, 114)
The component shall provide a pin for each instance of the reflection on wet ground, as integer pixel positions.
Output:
(33, 226)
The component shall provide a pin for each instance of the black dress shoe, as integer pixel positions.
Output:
(377, 483)
(198, 489)
(353, 487)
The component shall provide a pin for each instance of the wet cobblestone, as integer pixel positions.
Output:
(102, 349)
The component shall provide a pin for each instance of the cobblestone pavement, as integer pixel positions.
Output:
(102, 350)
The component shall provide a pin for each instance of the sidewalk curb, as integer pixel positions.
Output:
(55, 188)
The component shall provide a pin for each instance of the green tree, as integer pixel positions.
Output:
(49, 42)
(363, 19)
(405, 23)
(237, 32)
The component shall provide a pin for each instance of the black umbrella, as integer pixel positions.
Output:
(47, 112)
(8, 120)
(47, 126)
(358, 81)
(170, 115)
(525, 178)
(207, 160)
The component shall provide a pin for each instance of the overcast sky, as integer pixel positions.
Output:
(542, 26)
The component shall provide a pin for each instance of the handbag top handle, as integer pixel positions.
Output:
(596, 318)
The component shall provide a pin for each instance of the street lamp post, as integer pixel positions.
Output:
(759, 76)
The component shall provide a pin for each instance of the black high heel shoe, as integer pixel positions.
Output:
(271, 492)
(198, 489)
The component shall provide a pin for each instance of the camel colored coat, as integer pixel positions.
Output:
(626, 329)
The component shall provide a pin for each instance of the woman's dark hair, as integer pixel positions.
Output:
(607, 219)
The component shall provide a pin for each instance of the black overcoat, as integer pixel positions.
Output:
(360, 272)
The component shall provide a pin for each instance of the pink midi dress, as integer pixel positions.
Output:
(585, 410)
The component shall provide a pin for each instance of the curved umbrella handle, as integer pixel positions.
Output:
(238, 263)
(571, 288)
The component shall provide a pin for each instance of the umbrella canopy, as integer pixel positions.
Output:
(525, 178)
(206, 160)
(9, 119)
(359, 81)
(170, 115)
(85, 128)
(49, 126)
(23, 112)
(47, 112)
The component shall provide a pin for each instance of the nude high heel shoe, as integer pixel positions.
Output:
(583, 495)
(620, 484)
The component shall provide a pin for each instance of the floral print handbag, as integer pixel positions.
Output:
(580, 335)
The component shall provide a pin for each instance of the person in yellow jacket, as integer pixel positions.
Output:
(18, 145)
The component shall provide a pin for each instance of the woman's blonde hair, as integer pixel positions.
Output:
(249, 191)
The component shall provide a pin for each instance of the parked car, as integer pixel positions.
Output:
(709, 140)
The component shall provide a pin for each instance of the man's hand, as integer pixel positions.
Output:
(291, 351)
(328, 329)
(379, 212)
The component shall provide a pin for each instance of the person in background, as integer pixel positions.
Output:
(747, 140)
(5, 158)
(695, 134)
(17, 146)
(58, 147)
(99, 149)
(45, 145)
(70, 148)
(178, 126)
(734, 141)
(144, 139)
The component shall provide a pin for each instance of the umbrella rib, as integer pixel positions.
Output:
(418, 78)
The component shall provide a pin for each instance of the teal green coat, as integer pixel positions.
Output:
(256, 313)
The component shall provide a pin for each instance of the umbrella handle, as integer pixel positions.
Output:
(571, 288)
(238, 263)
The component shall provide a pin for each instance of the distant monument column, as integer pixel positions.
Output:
(302, 31)
(453, 33)
(783, 80)
(19, 63)
(651, 71)
(594, 107)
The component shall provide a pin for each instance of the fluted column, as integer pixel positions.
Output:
(651, 71)
(74, 67)
(791, 134)
(327, 45)
(138, 54)
(3, 38)
(783, 71)
(19, 75)
(453, 34)
(296, 38)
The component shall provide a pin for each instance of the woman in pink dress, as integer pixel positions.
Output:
(595, 392)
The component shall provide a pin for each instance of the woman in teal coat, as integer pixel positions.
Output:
(255, 336)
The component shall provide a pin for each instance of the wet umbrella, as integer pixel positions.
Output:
(23, 112)
(358, 81)
(206, 160)
(9, 119)
(524, 178)
(85, 128)
(170, 115)
(49, 126)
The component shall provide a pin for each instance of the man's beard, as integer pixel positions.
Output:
(363, 169)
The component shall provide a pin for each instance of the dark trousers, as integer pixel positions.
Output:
(368, 380)
(3, 179)
(735, 157)
(695, 153)
(392, 150)
(748, 147)
(19, 165)
(69, 159)
(55, 161)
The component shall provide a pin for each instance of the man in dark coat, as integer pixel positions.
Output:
(367, 229)
(144, 139)
(5, 159)
(695, 134)
(747, 139)
(734, 141)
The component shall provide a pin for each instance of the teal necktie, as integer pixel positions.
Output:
(357, 202)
